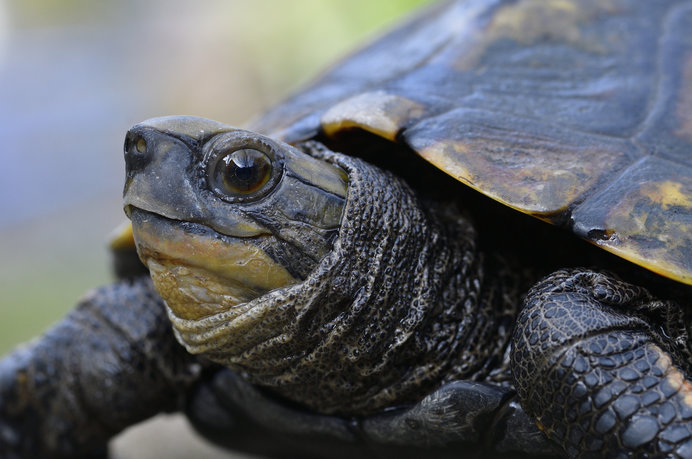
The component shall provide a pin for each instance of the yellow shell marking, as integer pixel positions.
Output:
(377, 112)
(527, 20)
(648, 213)
(539, 178)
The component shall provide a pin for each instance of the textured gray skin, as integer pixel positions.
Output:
(592, 363)
(110, 363)
(400, 305)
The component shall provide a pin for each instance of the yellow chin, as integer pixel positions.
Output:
(199, 275)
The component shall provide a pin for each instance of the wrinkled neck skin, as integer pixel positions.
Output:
(399, 306)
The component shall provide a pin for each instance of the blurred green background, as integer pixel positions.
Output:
(75, 74)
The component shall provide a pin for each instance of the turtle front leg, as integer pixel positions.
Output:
(602, 367)
(111, 362)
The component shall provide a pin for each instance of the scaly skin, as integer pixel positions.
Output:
(401, 303)
(399, 306)
(109, 364)
(602, 366)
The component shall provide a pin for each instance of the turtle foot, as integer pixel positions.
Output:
(601, 365)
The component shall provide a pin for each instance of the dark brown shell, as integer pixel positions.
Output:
(576, 112)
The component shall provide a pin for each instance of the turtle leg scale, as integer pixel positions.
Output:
(603, 367)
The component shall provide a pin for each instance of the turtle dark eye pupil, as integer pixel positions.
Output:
(242, 172)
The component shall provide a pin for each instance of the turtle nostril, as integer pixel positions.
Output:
(136, 155)
(141, 145)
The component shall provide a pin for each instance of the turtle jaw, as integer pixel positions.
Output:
(200, 272)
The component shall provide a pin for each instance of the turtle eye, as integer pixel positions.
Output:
(241, 172)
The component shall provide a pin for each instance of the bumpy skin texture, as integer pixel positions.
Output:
(592, 363)
(400, 305)
(109, 364)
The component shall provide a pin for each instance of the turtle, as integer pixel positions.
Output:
(349, 275)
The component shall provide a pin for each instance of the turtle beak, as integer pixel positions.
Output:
(169, 142)
(155, 182)
(159, 136)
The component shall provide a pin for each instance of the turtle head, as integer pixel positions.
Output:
(221, 215)
(314, 273)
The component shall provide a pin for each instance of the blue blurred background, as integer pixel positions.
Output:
(75, 74)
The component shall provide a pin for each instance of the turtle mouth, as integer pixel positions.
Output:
(199, 271)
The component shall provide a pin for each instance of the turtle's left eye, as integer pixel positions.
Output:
(241, 172)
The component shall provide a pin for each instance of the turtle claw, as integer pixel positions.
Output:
(592, 362)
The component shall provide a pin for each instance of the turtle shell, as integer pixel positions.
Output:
(576, 112)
